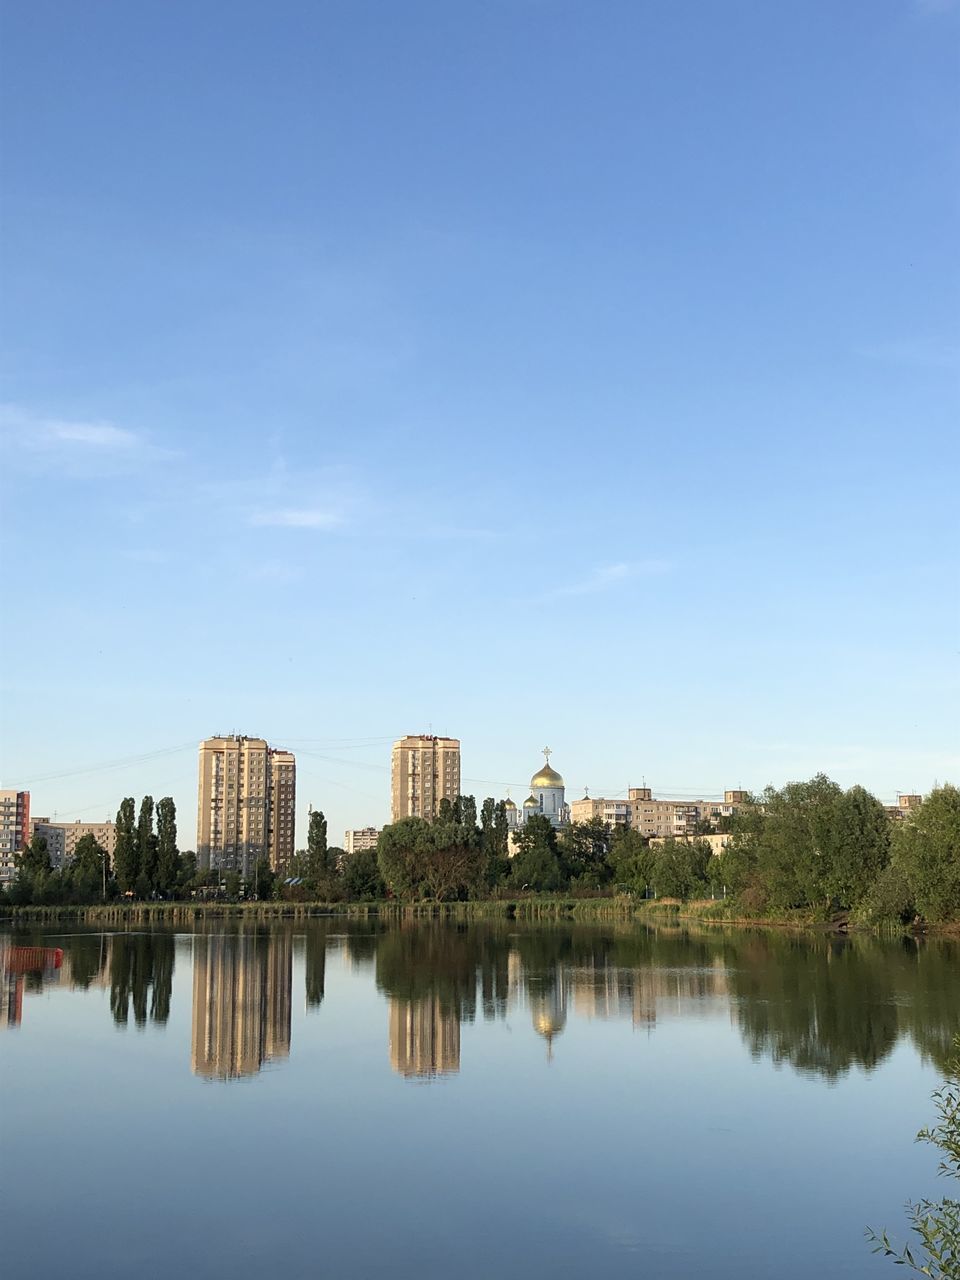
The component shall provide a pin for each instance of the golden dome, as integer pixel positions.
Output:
(508, 803)
(547, 777)
(531, 803)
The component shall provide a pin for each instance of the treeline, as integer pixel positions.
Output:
(813, 845)
(146, 864)
(809, 846)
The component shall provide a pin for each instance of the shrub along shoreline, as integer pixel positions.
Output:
(620, 908)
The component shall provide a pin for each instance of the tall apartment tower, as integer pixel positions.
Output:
(283, 803)
(425, 771)
(14, 829)
(245, 804)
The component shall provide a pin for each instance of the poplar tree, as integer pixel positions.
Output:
(146, 845)
(317, 842)
(318, 861)
(125, 861)
(168, 856)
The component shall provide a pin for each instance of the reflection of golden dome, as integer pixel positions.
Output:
(530, 803)
(549, 1024)
(547, 777)
(508, 803)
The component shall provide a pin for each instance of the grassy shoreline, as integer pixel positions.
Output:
(534, 908)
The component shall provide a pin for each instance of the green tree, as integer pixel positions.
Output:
(125, 860)
(927, 854)
(186, 874)
(584, 849)
(418, 859)
(34, 859)
(168, 856)
(858, 848)
(232, 885)
(935, 1223)
(362, 881)
(445, 811)
(631, 861)
(89, 868)
(451, 861)
(262, 883)
(317, 843)
(494, 842)
(400, 851)
(146, 848)
(468, 815)
(537, 861)
(680, 869)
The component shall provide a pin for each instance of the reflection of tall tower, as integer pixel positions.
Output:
(279, 995)
(424, 1038)
(242, 988)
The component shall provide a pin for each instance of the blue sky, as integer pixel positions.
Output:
(538, 371)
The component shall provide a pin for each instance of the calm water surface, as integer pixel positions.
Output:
(349, 1098)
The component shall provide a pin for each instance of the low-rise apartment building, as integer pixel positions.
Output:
(905, 804)
(62, 838)
(717, 842)
(657, 818)
(360, 838)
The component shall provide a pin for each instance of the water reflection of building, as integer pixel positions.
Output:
(547, 999)
(41, 964)
(424, 1038)
(242, 991)
(643, 994)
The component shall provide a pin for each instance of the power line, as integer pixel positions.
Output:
(108, 766)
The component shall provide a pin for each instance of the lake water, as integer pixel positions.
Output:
(351, 1098)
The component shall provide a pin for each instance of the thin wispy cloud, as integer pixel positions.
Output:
(38, 440)
(31, 431)
(297, 518)
(609, 576)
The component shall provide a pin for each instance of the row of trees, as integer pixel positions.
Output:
(813, 845)
(146, 863)
(809, 845)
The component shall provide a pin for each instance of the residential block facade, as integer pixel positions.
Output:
(653, 817)
(360, 838)
(14, 829)
(425, 770)
(62, 837)
(246, 797)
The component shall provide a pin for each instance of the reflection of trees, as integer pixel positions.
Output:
(927, 996)
(822, 1003)
(826, 1004)
(242, 990)
(315, 962)
(141, 976)
(432, 973)
(86, 958)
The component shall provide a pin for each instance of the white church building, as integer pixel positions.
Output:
(546, 799)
